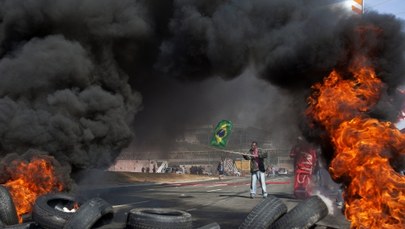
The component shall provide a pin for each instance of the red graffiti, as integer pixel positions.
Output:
(305, 161)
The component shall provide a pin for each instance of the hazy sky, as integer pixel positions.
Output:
(396, 7)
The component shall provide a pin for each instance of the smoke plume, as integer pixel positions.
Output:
(82, 79)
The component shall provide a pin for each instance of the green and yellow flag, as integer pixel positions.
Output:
(221, 133)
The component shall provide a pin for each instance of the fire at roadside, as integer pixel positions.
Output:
(364, 147)
(32, 175)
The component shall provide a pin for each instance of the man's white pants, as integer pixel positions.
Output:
(257, 175)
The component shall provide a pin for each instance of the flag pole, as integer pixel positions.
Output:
(229, 151)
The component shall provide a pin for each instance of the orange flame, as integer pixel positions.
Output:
(29, 180)
(375, 194)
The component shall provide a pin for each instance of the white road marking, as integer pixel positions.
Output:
(217, 185)
(214, 190)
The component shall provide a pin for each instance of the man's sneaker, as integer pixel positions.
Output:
(265, 195)
(252, 196)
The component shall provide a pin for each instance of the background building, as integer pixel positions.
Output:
(194, 154)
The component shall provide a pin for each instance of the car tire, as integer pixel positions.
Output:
(8, 212)
(95, 212)
(28, 225)
(158, 218)
(45, 213)
(304, 215)
(264, 213)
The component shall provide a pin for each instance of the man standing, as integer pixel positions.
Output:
(221, 170)
(257, 169)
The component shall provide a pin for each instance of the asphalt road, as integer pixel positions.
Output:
(225, 202)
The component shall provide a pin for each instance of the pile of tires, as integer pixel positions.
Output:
(272, 213)
(91, 213)
(47, 213)
(304, 215)
(264, 213)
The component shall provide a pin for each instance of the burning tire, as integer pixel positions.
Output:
(48, 210)
(95, 212)
(158, 218)
(8, 212)
(265, 213)
(304, 215)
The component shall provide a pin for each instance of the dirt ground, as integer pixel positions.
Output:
(98, 177)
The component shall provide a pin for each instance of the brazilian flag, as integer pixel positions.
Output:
(221, 133)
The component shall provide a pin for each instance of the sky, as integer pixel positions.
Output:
(396, 7)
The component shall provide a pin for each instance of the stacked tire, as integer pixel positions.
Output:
(304, 215)
(264, 213)
(8, 212)
(158, 218)
(94, 212)
(272, 213)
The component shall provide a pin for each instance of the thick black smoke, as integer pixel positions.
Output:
(75, 73)
(62, 90)
(291, 44)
